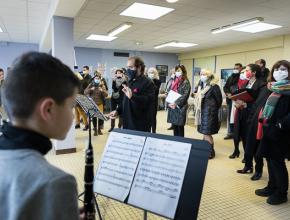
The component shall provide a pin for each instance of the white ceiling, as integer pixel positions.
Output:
(23, 20)
(191, 21)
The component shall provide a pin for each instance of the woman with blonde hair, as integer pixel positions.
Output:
(208, 102)
(154, 76)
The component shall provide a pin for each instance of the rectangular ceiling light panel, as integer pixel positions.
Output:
(100, 37)
(152, 12)
(259, 27)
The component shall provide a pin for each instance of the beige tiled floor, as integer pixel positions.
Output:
(226, 194)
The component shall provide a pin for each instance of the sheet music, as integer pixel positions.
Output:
(159, 177)
(118, 165)
(89, 106)
(172, 97)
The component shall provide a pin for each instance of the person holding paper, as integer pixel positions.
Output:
(208, 103)
(254, 85)
(138, 101)
(177, 109)
(229, 88)
(275, 130)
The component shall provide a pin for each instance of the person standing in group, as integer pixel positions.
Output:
(264, 71)
(229, 88)
(79, 112)
(2, 111)
(117, 95)
(274, 133)
(137, 105)
(168, 88)
(177, 111)
(208, 103)
(254, 86)
(97, 91)
(154, 76)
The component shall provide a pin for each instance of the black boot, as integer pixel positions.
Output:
(256, 176)
(234, 155)
(245, 170)
(77, 126)
(95, 132)
(86, 128)
(212, 153)
(277, 198)
(265, 192)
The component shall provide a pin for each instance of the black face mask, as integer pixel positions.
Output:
(131, 73)
(119, 77)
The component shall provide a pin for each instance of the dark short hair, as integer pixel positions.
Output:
(183, 69)
(279, 63)
(239, 64)
(1, 70)
(262, 61)
(255, 68)
(138, 62)
(86, 67)
(32, 77)
(119, 70)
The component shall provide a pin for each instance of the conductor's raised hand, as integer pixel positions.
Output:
(127, 91)
(113, 115)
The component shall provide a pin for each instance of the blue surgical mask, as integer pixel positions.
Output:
(97, 81)
(131, 73)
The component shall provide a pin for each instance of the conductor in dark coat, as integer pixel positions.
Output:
(138, 100)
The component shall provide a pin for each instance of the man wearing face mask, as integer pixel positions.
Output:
(117, 95)
(229, 88)
(86, 79)
(264, 71)
(137, 105)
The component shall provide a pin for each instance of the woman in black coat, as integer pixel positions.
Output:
(154, 76)
(177, 110)
(208, 103)
(275, 139)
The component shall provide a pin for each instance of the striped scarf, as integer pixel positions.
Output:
(278, 89)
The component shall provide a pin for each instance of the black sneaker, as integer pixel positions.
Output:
(265, 192)
(77, 126)
(229, 136)
(171, 128)
(111, 129)
(277, 199)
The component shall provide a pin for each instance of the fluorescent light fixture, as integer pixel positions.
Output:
(236, 25)
(259, 27)
(152, 12)
(119, 29)
(101, 37)
(175, 44)
(172, 1)
(1, 30)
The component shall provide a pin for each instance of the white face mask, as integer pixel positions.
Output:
(203, 78)
(242, 76)
(178, 74)
(235, 71)
(151, 75)
(280, 75)
(172, 76)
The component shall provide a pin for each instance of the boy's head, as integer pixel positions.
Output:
(39, 94)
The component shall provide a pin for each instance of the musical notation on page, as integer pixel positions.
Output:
(117, 168)
(159, 176)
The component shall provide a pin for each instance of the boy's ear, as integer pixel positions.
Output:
(45, 108)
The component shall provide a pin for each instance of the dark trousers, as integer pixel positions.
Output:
(114, 105)
(278, 175)
(178, 130)
(230, 126)
(237, 142)
(154, 121)
(98, 123)
(250, 154)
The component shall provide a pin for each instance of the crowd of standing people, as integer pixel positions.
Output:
(260, 122)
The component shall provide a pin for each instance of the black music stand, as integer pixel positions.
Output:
(91, 110)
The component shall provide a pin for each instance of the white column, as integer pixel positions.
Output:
(63, 49)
